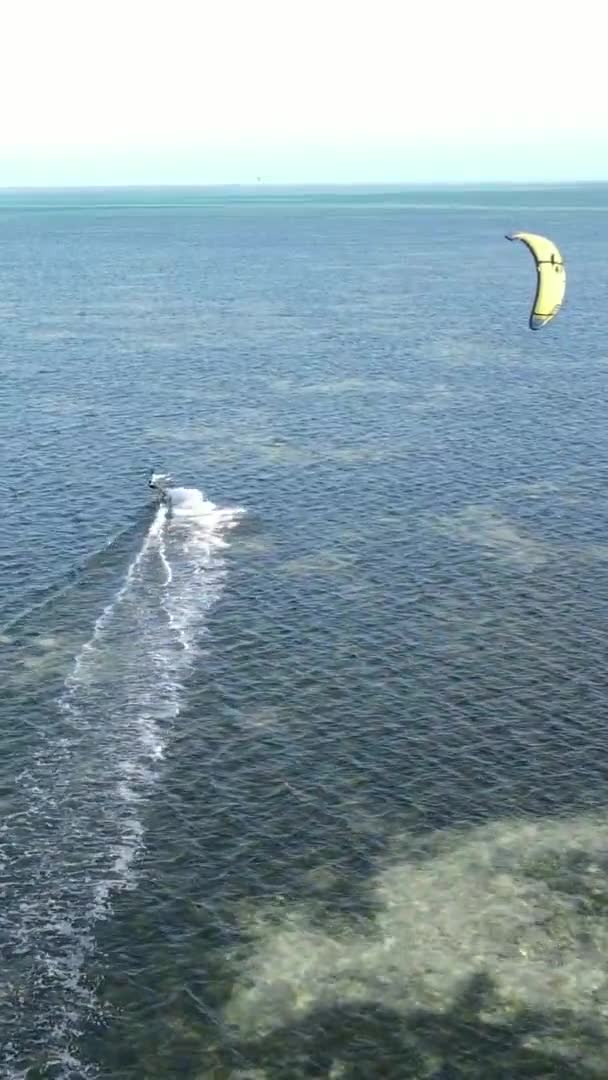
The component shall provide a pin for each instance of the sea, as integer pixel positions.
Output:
(303, 771)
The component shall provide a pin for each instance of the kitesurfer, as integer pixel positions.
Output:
(158, 482)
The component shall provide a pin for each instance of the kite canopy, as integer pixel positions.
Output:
(551, 274)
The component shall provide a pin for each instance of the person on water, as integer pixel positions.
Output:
(158, 482)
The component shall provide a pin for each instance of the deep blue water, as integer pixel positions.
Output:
(307, 778)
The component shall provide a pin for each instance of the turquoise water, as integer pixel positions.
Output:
(306, 778)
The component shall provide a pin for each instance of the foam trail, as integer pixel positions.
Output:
(76, 837)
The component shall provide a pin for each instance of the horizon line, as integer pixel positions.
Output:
(257, 185)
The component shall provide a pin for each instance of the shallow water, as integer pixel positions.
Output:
(306, 778)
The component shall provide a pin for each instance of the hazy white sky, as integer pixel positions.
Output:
(174, 91)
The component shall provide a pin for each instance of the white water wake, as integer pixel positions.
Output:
(76, 836)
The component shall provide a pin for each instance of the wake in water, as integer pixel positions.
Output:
(75, 837)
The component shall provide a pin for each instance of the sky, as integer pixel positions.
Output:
(370, 91)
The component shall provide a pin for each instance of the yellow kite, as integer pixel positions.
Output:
(551, 274)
